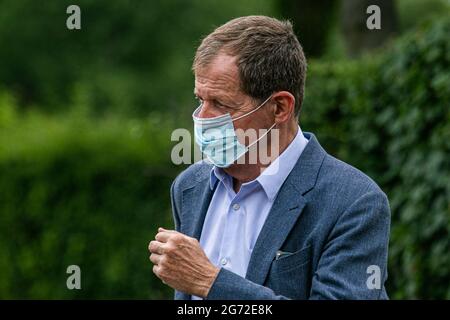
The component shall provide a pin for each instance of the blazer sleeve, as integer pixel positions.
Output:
(175, 207)
(358, 240)
(355, 254)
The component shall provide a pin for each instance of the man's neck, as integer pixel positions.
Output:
(242, 173)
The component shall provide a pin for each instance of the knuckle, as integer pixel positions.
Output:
(163, 262)
(177, 238)
(162, 272)
(192, 241)
(168, 249)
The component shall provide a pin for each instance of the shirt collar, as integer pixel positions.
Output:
(273, 177)
(217, 174)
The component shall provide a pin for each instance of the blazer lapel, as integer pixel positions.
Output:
(286, 210)
(195, 205)
(282, 217)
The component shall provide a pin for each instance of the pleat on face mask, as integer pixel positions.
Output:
(217, 138)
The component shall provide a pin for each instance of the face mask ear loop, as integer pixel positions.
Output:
(249, 113)
(265, 134)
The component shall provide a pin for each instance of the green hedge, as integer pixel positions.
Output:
(92, 194)
(389, 115)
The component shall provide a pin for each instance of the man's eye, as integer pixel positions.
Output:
(219, 105)
(198, 99)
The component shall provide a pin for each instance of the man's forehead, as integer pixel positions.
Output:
(222, 63)
(209, 86)
(220, 74)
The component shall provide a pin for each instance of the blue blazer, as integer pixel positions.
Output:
(330, 219)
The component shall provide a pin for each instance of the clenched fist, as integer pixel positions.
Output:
(181, 263)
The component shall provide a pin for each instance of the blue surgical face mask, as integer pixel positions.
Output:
(217, 139)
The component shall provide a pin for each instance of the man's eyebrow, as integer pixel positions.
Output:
(226, 100)
(198, 95)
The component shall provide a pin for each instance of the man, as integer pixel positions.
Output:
(304, 226)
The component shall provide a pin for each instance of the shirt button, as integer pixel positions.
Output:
(236, 206)
(223, 261)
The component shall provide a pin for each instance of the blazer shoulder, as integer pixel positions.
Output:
(191, 175)
(347, 179)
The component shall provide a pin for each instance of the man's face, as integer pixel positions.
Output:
(217, 87)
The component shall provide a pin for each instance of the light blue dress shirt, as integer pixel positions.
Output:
(234, 220)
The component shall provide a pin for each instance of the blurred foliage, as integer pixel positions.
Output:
(85, 123)
(358, 38)
(312, 21)
(83, 192)
(411, 13)
(390, 116)
(120, 61)
(414, 12)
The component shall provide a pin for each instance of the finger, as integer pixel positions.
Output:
(156, 247)
(156, 270)
(164, 236)
(160, 229)
(155, 258)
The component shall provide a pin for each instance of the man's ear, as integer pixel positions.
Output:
(284, 106)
